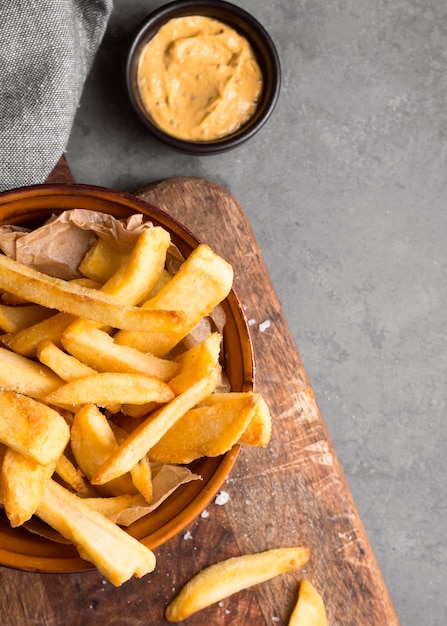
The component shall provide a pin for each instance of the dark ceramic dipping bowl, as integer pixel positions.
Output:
(247, 26)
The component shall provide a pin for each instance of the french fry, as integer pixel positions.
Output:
(32, 428)
(66, 366)
(259, 429)
(92, 442)
(97, 349)
(152, 429)
(17, 373)
(141, 475)
(23, 483)
(15, 318)
(196, 362)
(102, 261)
(72, 476)
(26, 341)
(205, 431)
(136, 277)
(309, 609)
(106, 388)
(75, 299)
(227, 577)
(115, 553)
(201, 283)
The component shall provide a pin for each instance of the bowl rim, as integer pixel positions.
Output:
(178, 8)
(24, 551)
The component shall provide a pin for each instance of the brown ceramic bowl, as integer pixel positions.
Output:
(32, 206)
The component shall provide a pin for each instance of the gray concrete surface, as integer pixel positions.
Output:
(346, 191)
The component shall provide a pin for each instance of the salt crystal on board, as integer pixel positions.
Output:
(222, 498)
(264, 325)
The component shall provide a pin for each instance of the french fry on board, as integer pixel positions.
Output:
(227, 577)
(115, 553)
(75, 299)
(309, 609)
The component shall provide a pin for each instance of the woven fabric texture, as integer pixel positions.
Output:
(46, 50)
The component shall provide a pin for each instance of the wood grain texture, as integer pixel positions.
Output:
(292, 493)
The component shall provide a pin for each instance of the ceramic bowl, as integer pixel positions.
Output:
(31, 206)
(246, 25)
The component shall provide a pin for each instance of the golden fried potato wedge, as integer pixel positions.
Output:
(26, 341)
(66, 366)
(92, 442)
(102, 261)
(259, 429)
(72, 476)
(115, 553)
(309, 609)
(202, 282)
(97, 349)
(224, 578)
(152, 429)
(205, 431)
(141, 475)
(196, 362)
(32, 428)
(75, 299)
(23, 483)
(137, 276)
(17, 373)
(15, 318)
(106, 388)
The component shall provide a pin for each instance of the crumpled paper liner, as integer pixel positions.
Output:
(58, 247)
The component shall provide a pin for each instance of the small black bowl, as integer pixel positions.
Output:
(247, 26)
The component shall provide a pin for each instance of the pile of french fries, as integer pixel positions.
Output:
(100, 387)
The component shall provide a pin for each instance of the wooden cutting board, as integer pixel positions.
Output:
(292, 493)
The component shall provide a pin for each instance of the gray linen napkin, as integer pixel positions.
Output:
(46, 50)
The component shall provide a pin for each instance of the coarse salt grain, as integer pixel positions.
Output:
(187, 535)
(222, 498)
(264, 325)
(204, 514)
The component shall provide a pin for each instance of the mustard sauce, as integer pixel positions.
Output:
(199, 79)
